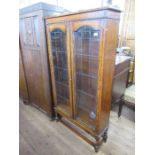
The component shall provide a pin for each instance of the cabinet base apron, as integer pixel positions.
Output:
(95, 141)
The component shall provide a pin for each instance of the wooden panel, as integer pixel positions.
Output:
(119, 86)
(120, 78)
(86, 83)
(23, 91)
(33, 75)
(29, 31)
(33, 44)
(62, 91)
(85, 101)
(59, 56)
(88, 14)
(110, 43)
(86, 64)
(121, 66)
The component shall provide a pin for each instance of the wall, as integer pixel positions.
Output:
(127, 33)
(72, 5)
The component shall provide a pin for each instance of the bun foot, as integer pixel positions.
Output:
(105, 135)
(96, 148)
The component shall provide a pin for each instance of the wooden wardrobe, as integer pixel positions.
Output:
(34, 53)
(23, 90)
(81, 50)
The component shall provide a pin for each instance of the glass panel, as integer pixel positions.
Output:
(36, 30)
(86, 51)
(58, 42)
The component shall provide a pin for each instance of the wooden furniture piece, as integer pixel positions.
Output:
(34, 52)
(23, 91)
(122, 67)
(131, 72)
(128, 99)
(81, 48)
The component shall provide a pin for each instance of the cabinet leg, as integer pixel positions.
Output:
(96, 148)
(120, 108)
(52, 118)
(105, 135)
(58, 118)
(56, 115)
(26, 102)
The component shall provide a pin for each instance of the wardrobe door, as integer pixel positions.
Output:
(86, 36)
(59, 55)
(35, 61)
(32, 60)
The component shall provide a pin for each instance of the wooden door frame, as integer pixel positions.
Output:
(65, 28)
(97, 24)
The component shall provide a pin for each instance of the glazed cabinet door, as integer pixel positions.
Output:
(86, 50)
(59, 56)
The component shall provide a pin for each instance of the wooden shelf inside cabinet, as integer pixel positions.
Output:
(83, 117)
(65, 108)
(81, 52)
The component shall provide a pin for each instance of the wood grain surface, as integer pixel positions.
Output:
(39, 136)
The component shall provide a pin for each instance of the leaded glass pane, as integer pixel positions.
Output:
(58, 42)
(86, 53)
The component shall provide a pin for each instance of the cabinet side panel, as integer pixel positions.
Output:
(110, 45)
(23, 92)
(45, 67)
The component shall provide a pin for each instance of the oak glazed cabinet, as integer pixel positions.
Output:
(34, 53)
(81, 49)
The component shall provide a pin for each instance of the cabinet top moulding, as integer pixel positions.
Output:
(105, 12)
(42, 6)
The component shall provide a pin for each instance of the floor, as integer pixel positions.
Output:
(40, 136)
(127, 112)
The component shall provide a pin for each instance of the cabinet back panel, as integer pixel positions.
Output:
(86, 64)
(86, 84)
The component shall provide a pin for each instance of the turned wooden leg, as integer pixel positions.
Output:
(105, 135)
(97, 144)
(120, 108)
(97, 138)
(96, 148)
(52, 118)
(58, 118)
(56, 115)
